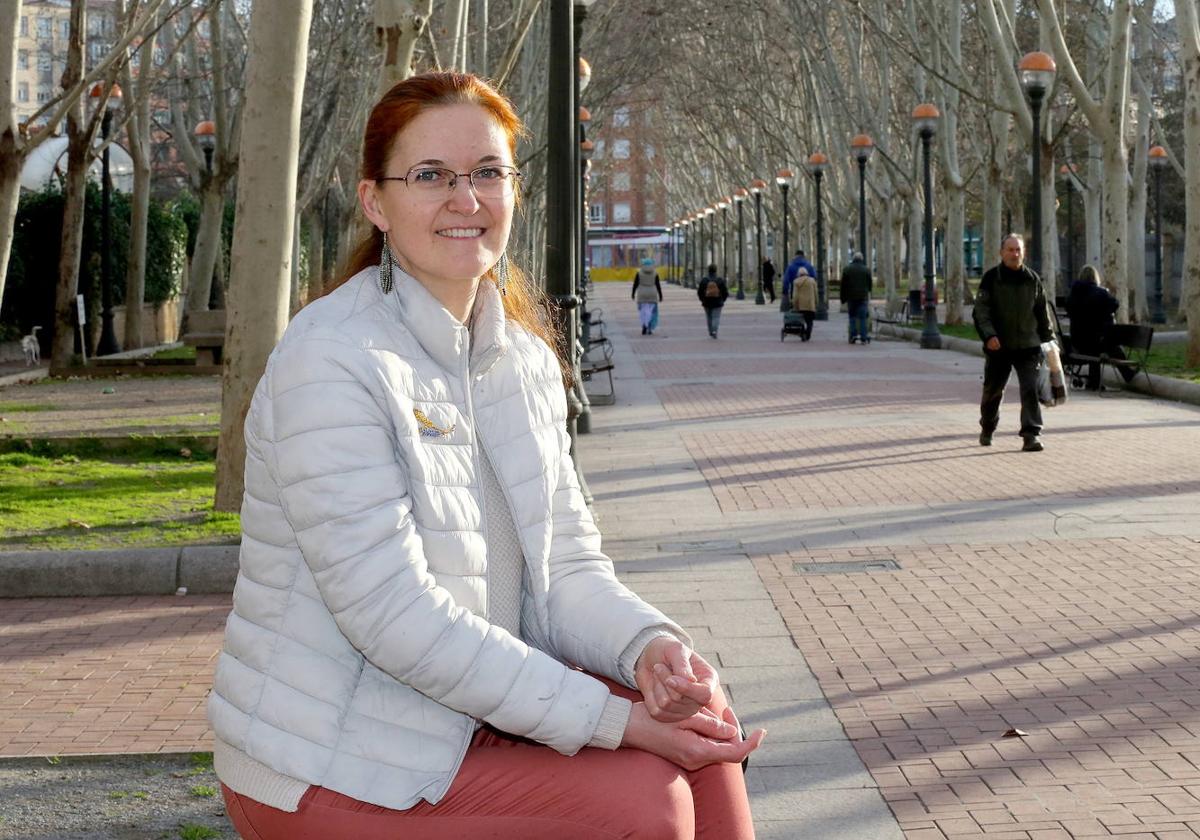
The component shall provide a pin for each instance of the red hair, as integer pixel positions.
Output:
(523, 303)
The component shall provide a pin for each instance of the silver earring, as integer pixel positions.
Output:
(385, 267)
(501, 274)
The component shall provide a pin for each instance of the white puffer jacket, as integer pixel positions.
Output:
(358, 655)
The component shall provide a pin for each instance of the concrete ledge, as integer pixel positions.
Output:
(130, 571)
(1164, 387)
(208, 569)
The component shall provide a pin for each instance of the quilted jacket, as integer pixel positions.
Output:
(358, 655)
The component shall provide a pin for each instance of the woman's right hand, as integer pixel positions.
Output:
(693, 742)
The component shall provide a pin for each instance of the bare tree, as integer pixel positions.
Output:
(1187, 19)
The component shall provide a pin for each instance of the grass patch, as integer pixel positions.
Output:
(72, 502)
(204, 791)
(183, 352)
(194, 831)
(21, 408)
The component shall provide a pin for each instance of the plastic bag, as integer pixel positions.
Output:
(1052, 382)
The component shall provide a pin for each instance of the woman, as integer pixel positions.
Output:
(1092, 308)
(647, 293)
(417, 563)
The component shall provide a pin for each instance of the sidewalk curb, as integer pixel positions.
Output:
(201, 569)
(1165, 387)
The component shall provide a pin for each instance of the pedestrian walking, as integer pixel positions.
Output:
(804, 300)
(793, 268)
(1092, 308)
(712, 292)
(647, 293)
(426, 639)
(1013, 320)
(767, 277)
(856, 294)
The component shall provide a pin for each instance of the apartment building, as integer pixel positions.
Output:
(42, 37)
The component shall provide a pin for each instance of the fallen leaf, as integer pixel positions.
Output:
(79, 523)
(1016, 733)
(185, 452)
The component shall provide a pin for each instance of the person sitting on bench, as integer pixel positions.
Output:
(1091, 308)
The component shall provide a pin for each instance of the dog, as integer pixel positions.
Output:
(33, 351)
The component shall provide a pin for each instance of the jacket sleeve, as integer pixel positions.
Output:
(345, 494)
(1041, 311)
(982, 313)
(658, 285)
(593, 616)
(633, 294)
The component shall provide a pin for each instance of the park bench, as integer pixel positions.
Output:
(590, 367)
(206, 332)
(1134, 339)
(891, 312)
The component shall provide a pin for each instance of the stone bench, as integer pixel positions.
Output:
(206, 332)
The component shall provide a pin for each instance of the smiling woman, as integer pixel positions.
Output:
(426, 639)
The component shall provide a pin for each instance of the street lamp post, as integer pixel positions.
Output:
(784, 179)
(206, 137)
(710, 213)
(1067, 173)
(1158, 162)
(724, 205)
(926, 119)
(739, 198)
(817, 164)
(756, 187)
(108, 335)
(1037, 75)
(862, 147)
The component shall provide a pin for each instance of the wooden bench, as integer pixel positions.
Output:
(206, 332)
(1134, 339)
(895, 313)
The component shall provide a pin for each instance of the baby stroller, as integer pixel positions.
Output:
(794, 324)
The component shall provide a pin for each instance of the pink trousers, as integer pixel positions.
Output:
(509, 788)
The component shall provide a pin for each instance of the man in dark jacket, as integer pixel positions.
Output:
(766, 278)
(712, 292)
(856, 294)
(1013, 319)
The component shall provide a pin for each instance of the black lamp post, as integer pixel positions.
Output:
(108, 335)
(784, 179)
(1037, 75)
(1158, 162)
(1067, 173)
(926, 119)
(756, 187)
(206, 137)
(723, 204)
(710, 213)
(739, 198)
(862, 147)
(817, 164)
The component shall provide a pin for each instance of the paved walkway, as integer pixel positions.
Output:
(888, 598)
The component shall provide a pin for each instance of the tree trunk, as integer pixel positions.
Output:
(316, 251)
(1115, 221)
(916, 240)
(257, 307)
(886, 258)
(11, 157)
(74, 195)
(956, 278)
(398, 26)
(138, 134)
(1092, 202)
(208, 246)
(1188, 20)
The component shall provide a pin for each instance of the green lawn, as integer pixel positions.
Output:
(70, 502)
(184, 352)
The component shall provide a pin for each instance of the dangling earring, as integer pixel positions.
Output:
(501, 274)
(385, 267)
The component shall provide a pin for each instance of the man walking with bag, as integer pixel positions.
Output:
(712, 291)
(1013, 319)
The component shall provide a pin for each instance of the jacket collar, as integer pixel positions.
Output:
(439, 333)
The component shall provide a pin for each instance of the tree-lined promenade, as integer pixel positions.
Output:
(261, 107)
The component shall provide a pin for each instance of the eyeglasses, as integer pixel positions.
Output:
(493, 181)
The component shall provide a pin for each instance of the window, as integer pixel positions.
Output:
(23, 92)
(44, 27)
(43, 95)
(23, 59)
(94, 26)
(621, 211)
(64, 30)
(649, 151)
(44, 62)
(621, 117)
(620, 181)
(96, 52)
(596, 214)
(621, 149)
(598, 152)
(24, 26)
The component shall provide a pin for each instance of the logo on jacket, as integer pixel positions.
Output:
(428, 427)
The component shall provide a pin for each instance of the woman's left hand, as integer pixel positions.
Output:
(675, 681)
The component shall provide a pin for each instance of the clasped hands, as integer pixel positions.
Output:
(683, 716)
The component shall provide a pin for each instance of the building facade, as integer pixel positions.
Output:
(42, 38)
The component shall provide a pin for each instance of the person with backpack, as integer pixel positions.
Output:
(713, 292)
(647, 292)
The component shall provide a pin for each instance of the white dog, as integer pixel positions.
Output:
(33, 352)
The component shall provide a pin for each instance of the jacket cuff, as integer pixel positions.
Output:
(611, 727)
(627, 662)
